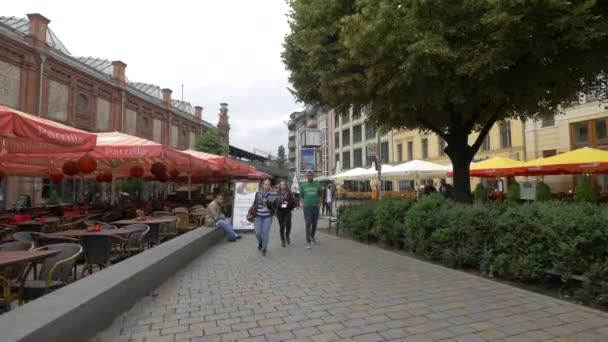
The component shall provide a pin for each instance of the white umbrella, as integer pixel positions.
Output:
(417, 169)
(372, 173)
(350, 174)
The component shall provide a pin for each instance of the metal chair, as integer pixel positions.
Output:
(54, 273)
(198, 217)
(135, 242)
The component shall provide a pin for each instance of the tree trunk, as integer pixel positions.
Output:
(461, 155)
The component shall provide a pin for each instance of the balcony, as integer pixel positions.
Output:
(291, 155)
(291, 144)
(292, 135)
(291, 165)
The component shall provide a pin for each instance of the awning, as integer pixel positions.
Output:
(29, 134)
(495, 167)
(580, 161)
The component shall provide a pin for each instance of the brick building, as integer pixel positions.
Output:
(38, 75)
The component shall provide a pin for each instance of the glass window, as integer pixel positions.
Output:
(337, 140)
(406, 185)
(410, 150)
(357, 134)
(336, 120)
(601, 135)
(346, 118)
(399, 152)
(548, 121)
(505, 135)
(103, 114)
(549, 153)
(580, 134)
(358, 157)
(370, 131)
(425, 148)
(346, 137)
(485, 146)
(385, 157)
(442, 146)
(346, 160)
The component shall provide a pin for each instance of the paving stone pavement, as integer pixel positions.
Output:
(341, 290)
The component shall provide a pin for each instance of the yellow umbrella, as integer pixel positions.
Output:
(495, 167)
(582, 160)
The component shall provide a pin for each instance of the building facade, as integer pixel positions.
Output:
(351, 138)
(38, 75)
(583, 124)
(299, 152)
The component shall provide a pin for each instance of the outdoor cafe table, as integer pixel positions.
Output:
(12, 257)
(49, 221)
(153, 222)
(78, 233)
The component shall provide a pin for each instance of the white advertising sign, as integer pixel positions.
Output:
(244, 194)
(527, 190)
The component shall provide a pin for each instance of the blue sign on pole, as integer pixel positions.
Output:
(308, 159)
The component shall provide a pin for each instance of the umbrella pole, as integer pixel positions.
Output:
(189, 187)
(113, 194)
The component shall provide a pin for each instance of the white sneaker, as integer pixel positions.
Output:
(313, 241)
(308, 246)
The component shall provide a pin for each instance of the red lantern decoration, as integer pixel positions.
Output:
(158, 169)
(87, 165)
(106, 177)
(174, 173)
(70, 168)
(162, 177)
(56, 178)
(2, 175)
(136, 171)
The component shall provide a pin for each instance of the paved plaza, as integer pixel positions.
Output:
(342, 291)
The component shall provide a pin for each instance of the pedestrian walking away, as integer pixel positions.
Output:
(265, 203)
(216, 218)
(329, 195)
(310, 192)
(286, 204)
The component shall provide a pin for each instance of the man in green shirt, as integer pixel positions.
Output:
(310, 200)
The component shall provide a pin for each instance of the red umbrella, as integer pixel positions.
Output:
(28, 134)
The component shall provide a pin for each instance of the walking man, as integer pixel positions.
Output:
(310, 200)
(328, 199)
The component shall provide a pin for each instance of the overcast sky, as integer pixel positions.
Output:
(221, 50)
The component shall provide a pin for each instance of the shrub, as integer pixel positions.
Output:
(389, 220)
(481, 193)
(513, 192)
(422, 220)
(543, 192)
(54, 198)
(585, 192)
(358, 219)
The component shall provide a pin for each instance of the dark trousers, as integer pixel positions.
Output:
(284, 217)
(311, 217)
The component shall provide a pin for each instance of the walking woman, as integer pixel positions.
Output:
(266, 204)
(286, 204)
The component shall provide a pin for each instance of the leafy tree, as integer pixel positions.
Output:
(451, 67)
(211, 142)
(282, 159)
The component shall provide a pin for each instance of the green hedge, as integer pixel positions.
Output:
(512, 241)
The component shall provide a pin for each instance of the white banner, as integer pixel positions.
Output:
(244, 194)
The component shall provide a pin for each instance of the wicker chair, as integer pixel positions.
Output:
(135, 242)
(6, 231)
(70, 226)
(97, 251)
(10, 276)
(55, 272)
(170, 230)
(197, 207)
(198, 217)
(184, 224)
(161, 214)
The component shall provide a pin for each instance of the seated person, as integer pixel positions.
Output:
(216, 218)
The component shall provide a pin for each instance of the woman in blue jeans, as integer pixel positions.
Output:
(265, 203)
